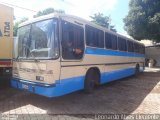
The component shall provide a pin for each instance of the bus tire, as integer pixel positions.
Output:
(90, 80)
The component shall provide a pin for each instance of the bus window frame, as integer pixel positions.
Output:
(58, 29)
(125, 42)
(61, 32)
(128, 40)
(105, 42)
(95, 28)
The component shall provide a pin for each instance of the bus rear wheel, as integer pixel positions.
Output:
(90, 81)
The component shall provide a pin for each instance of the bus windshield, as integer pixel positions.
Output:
(38, 40)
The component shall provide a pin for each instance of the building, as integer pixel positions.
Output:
(152, 52)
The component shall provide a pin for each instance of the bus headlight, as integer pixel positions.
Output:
(39, 78)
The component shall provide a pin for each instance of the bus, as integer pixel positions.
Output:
(6, 41)
(58, 54)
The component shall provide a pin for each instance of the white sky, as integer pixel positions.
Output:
(81, 8)
(85, 8)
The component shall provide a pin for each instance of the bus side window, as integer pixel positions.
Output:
(108, 40)
(114, 42)
(130, 46)
(122, 45)
(72, 41)
(136, 48)
(94, 37)
(143, 49)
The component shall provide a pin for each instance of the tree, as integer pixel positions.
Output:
(143, 20)
(47, 11)
(103, 21)
(16, 24)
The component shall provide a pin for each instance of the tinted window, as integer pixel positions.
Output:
(39, 40)
(94, 37)
(130, 45)
(122, 44)
(110, 41)
(72, 39)
(114, 42)
(142, 49)
(136, 48)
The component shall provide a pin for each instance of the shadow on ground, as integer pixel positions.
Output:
(117, 97)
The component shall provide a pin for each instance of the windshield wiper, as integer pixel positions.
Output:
(31, 53)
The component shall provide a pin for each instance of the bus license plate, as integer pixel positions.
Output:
(24, 86)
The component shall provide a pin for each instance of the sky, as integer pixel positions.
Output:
(116, 9)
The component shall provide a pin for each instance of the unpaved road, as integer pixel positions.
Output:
(134, 95)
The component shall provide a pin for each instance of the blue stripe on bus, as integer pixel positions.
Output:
(69, 85)
(96, 51)
(115, 75)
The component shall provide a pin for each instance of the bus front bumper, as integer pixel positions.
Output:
(59, 88)
(52, 90)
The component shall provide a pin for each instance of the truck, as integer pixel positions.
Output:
(6, 43)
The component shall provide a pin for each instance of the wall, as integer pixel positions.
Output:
(154, 53)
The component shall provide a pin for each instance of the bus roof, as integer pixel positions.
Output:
(78, 19)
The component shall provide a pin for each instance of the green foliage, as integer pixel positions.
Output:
(16, 24)
(47, 11)
(104, 21)
(143, 20)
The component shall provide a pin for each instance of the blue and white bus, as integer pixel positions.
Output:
(58, 54)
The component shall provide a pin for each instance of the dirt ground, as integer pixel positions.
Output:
(133, 95)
